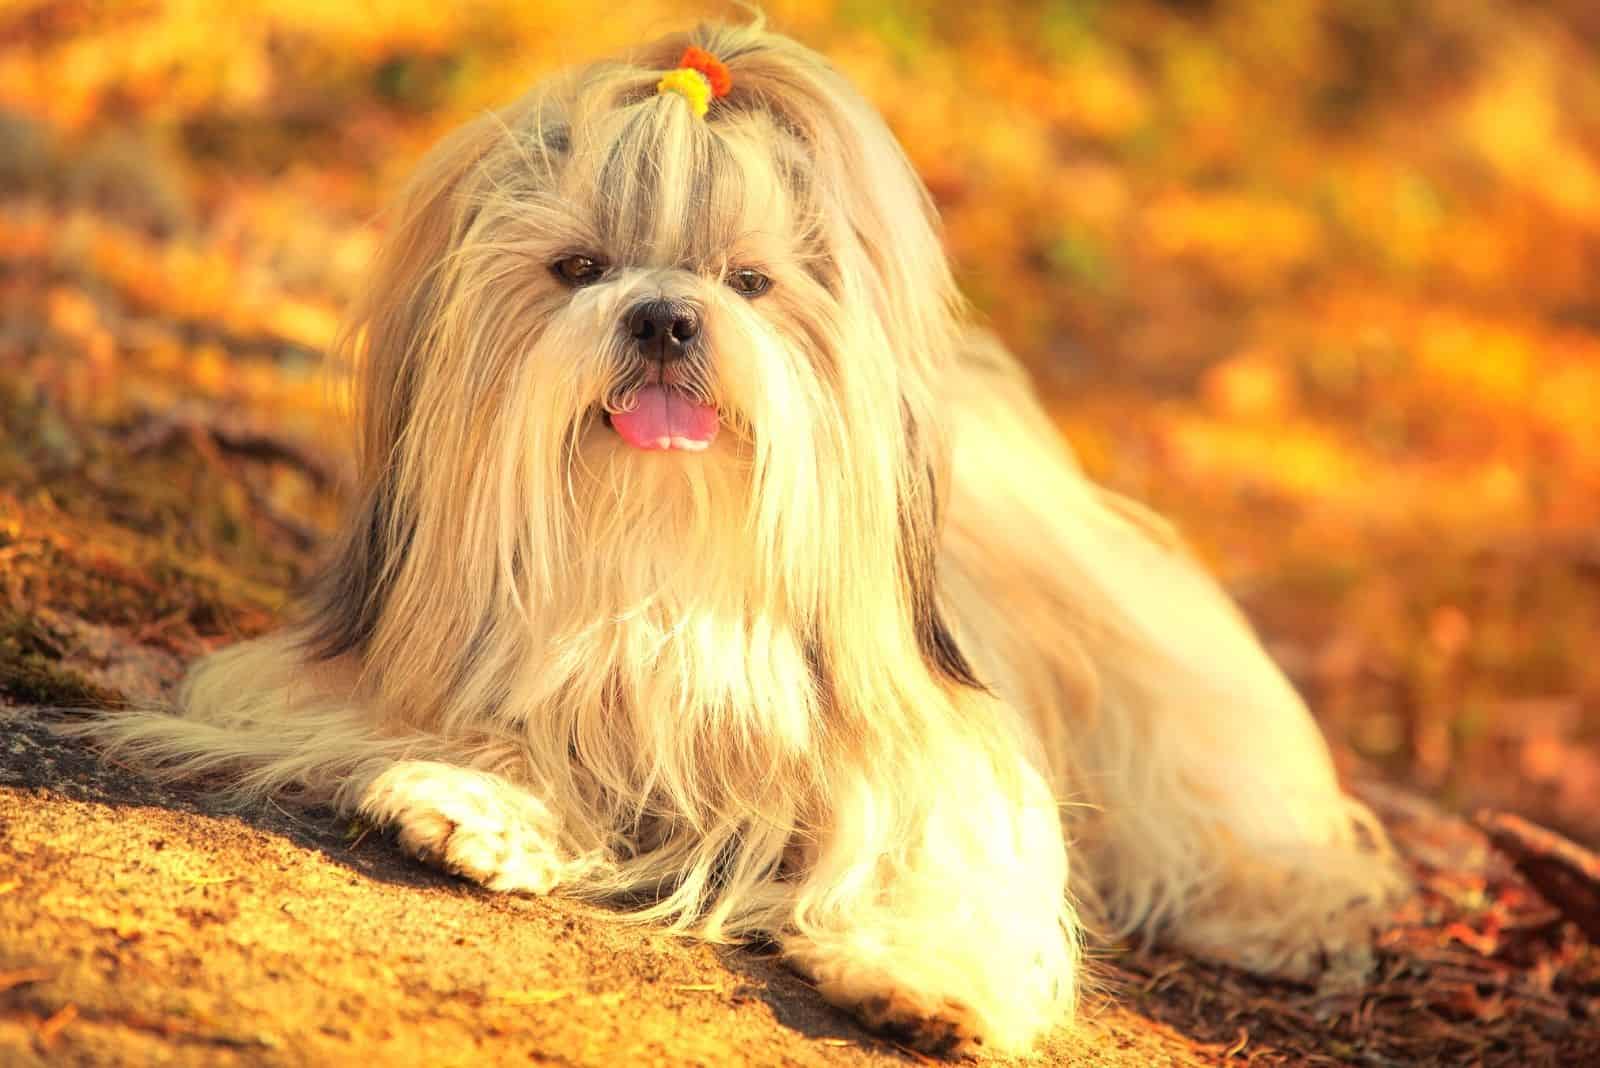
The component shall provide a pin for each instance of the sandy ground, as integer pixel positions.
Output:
(141, 925)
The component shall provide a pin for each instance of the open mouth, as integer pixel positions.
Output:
(664, 417)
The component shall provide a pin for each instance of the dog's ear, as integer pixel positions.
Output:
(344, 599)
(388, 329)
(381, 346)
(919, 560)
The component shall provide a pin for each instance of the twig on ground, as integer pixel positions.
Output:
(1565, 873)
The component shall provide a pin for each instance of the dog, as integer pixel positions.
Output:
(705, 557)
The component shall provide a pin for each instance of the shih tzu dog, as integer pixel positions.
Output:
(705, 556)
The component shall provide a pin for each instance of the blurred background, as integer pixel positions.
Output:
(1321, 280)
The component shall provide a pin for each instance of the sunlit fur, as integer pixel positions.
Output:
(738, 690)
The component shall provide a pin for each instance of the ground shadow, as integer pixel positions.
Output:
(37, 758)
(795, 1003)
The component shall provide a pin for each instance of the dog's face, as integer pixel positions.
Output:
(614, 347)
(672, 299)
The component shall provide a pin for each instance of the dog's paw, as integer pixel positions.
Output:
(1304, 927)
(936, 1024)
(942, 1028)
(1335, 951)
(471, 823)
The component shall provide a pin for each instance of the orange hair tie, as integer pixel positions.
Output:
(714, 69)
(699, 78)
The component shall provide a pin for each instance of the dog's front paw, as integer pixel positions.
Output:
(942, 998)
(940, 1026)
(472, 823)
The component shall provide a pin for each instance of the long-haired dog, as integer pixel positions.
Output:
(704, 556)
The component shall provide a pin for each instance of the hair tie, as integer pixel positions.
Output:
(699, 78)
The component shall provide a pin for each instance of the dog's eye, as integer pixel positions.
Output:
(578, 270)
(748, 282)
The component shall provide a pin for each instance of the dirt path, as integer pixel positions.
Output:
(140, 924)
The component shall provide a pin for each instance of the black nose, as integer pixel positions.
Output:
(663, 329)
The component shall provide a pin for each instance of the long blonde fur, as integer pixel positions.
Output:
(739, 686)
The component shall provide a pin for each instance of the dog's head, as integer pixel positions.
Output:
(606, 326)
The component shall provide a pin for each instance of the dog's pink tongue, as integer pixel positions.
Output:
(664, 418)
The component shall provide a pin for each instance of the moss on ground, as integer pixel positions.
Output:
(31, 672)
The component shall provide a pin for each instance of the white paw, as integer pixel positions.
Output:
(940, 1026)
(472, 823)
(940, 995)
(1335, 951)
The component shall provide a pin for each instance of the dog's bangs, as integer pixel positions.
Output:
(668, 188)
